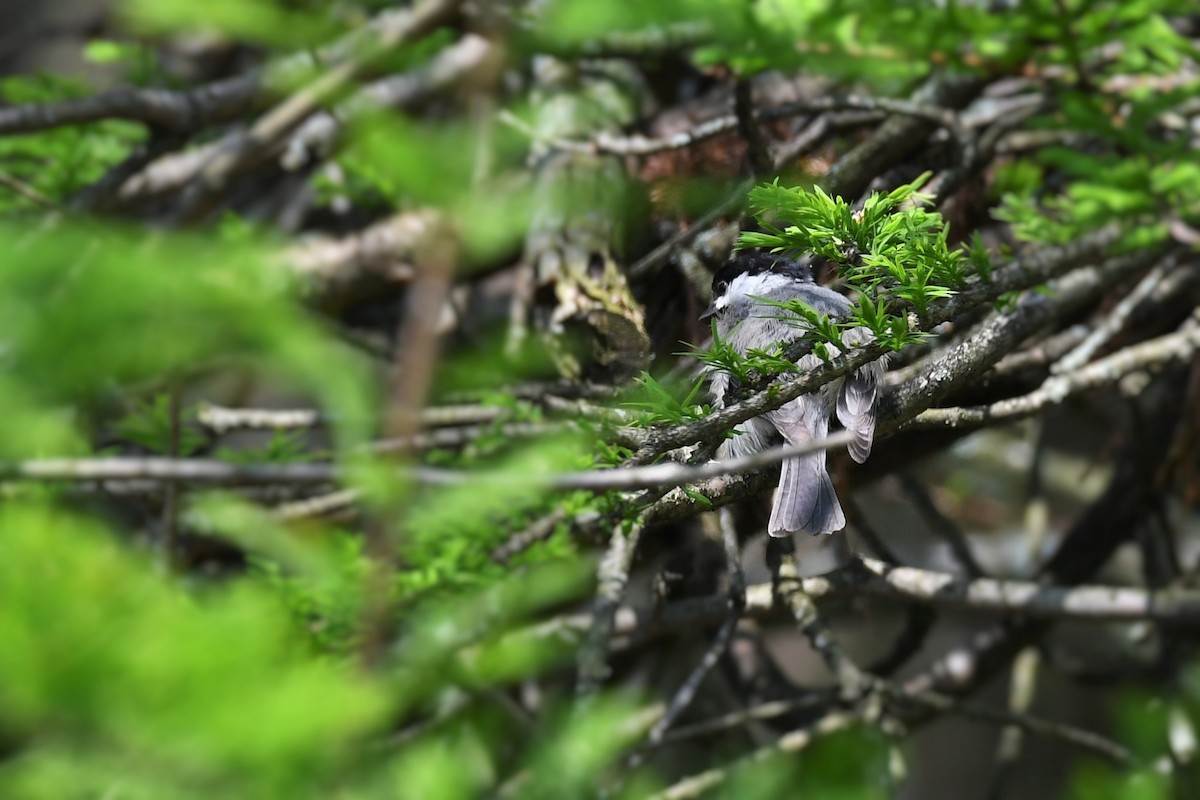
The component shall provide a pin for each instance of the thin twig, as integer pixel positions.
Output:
(643, 146)
(160, 174)
(793, 742)
(736, 719)
(912, 584)
(611, 578)
(440, 438)
(835, 721)
(1041, 354)
(758, 152)
(1112, 322)
(868, 533)
(541, 529)
(901, 134)
(1088, 544)
(408, 390)
(919, 620)
(853, 683)
(720, 643)
(212, 471)
(1021, 690)
(733, 202)
(222, 419)
(1050, 729)
(319, 506)
(941, 526)
(170, 543)
(25, 190)
(852, 171)
(806, 141)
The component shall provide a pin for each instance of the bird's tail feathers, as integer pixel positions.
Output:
(856, 411)
(805, 500)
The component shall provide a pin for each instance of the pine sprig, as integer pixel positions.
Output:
(892, 246)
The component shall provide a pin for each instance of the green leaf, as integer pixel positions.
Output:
(149, 425)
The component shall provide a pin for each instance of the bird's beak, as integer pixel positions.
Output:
(708, 313)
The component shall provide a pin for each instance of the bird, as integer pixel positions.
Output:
(805, 500)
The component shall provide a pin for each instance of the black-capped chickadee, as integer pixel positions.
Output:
(805, 500)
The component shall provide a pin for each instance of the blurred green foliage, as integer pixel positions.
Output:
(40, 172)
(149, 425)
(114, 678)
(656, 404)
(89, 310)
(267, 22)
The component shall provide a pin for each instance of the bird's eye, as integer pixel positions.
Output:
(721, 287)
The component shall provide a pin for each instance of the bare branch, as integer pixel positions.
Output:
(898, 136)
(1087, 545)
(793, 742)
(1050, 729)
(281, 120)
(758, 151)
(720, 643)
(611, 578)
(318, 133)
(319, 506)
(1114, 320)
(739, 718)
(335, 272)
(211, 471)
(642, 146)
(222, 420)
(1042, 354)
(942, 527)
(1176, 347)
(809, 139)
(188, 110)
(458, 62)
(522, 540)
(873, 578)
(1031, 599)
(792, 591)
(999, 335)
(1037, 725)
(214, 103)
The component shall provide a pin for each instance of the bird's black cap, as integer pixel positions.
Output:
(755, 263)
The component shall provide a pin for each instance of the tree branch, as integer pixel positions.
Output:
(1176, 347)
(188, 110)
(247, 148)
